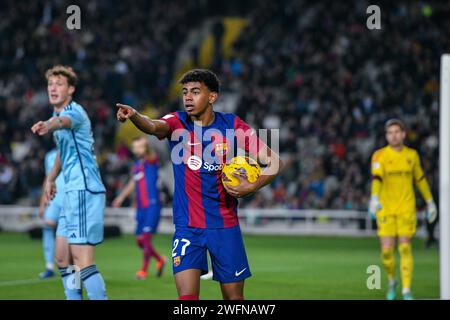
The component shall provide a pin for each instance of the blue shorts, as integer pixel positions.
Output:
(61, 229)
(147, 219)
(225, 246)
(82, 221)
(54, 209)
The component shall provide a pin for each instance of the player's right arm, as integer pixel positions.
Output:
(50, 184)
(377, 180)
(54, 123)
(158, 128)
(126, 192)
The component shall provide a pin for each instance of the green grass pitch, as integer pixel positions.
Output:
(283, 267)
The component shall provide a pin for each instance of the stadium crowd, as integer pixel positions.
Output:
(313, 70)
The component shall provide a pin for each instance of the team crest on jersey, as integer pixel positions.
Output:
(176, 261)
(409, 161)
(221, 149)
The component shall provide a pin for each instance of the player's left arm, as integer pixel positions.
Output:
(274, 165)
(54, 123)
(424, 188)
(50, 182)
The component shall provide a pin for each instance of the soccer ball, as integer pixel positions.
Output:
(241, 165)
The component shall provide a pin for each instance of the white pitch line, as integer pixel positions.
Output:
(22, 282)
(33, 281)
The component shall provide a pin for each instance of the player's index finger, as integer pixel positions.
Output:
(119, 105)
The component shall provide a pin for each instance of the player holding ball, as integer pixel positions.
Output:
(204, 208)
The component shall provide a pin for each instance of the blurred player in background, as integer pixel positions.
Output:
(395, 170)
(84, 199)
(144, 180)
(55, 247)
(50, 214)
(205, 210)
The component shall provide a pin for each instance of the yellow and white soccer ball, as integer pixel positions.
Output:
(244, 166)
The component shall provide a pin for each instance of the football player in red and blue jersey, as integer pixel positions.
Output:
(204, 209)
(144, 181)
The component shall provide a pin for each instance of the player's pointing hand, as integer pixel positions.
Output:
(40, 128)
(124, 112)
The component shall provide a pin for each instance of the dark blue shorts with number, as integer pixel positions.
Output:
(225, 246)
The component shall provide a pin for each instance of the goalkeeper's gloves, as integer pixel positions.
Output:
(431, 211)
(374, 206)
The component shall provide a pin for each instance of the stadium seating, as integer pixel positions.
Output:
(306, 65)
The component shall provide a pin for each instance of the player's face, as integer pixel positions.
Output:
(395, 136)
(139, 148)
(197, 98)
(59, 91)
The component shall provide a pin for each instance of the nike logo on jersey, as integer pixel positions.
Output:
(237, 274)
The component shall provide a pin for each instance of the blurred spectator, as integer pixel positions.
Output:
(6, 181)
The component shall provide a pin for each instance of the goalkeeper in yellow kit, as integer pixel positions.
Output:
(395, 170)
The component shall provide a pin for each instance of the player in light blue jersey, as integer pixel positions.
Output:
(51, 214)
(84, 194)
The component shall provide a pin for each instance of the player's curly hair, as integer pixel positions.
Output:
(206, 76)
(66, 71)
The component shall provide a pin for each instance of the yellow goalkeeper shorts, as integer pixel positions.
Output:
(396, 225)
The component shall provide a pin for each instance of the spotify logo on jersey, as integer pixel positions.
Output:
(194, 162)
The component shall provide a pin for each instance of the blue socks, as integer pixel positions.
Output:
(93, 283)
(92, 280)
(48, 244)
(71, 288)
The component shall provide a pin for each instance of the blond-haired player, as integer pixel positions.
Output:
(81, 220)
(395, 170)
